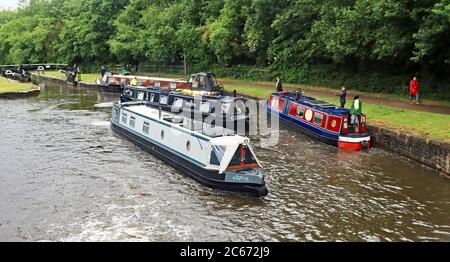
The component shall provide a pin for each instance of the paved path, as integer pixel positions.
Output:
(367, 99)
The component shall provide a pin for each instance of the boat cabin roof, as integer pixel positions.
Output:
(223, 99)
(176, 120)
(312, 102)
(160, 79)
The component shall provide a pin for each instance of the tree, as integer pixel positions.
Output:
(433, 39)
(226, 33)
(88, 24)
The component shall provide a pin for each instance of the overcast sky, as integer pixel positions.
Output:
(8, 4)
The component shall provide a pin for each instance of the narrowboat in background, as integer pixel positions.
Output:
(203, 83)
(213, 156)
(116, 83)
(16, 74)
(319, 119)
(228, 112)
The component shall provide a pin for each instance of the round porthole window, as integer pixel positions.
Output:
(188, 146)
(309, 115)
(333, 123)
(162, 134)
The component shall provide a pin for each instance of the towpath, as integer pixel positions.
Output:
(439, 109)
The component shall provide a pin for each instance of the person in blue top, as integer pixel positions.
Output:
(279, 85)
(342, 96)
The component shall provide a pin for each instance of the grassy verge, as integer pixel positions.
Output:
(424, 124)
(10, 86)
(395, 97)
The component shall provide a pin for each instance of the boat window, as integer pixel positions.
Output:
(318, 119)
(132, 121)
(195, 82)
(189, 104)
(205, 107)
(217, 155)
(157, 84)
(146, 128)
(239, 107)
(226, 108)
(152, 97)
(140, 95)
(275, 102)
(162, 134)
(300, 111)
(130, 93)
(188, 146)
(173, 85)
(124, 118)
(178, 103)
(115, 114)
(163, 100)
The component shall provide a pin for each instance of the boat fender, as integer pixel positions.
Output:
(365, 144)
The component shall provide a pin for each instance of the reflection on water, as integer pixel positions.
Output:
(65, 176)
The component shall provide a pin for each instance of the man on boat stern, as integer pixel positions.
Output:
(356, 112)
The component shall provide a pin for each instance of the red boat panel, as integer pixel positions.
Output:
(334, 124)
(279, 106)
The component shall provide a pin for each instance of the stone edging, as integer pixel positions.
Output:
(428, 152)
(16, 95)
(57, 80)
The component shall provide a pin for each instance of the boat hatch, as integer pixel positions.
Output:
(243, 158)
(234, 157)
(321, 104)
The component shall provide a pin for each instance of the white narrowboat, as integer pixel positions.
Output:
(213, 156)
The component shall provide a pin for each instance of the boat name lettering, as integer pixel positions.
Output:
(239, 178)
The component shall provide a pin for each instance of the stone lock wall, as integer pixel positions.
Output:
(427, 152)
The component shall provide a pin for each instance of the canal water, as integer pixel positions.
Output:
(65, 176)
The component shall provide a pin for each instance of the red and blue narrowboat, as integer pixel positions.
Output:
(319, 119)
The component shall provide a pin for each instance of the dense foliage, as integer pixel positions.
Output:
(357, 42)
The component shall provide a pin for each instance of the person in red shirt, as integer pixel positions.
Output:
(414, 89)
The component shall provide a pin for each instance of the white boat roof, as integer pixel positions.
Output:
(223, 136)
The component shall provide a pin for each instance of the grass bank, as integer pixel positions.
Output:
(11, 86)
(389, 96)
(424, 124)
(371, 81)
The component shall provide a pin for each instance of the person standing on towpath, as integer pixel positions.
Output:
(414, 90)
(103, 71)
(343, 96)
(279, 85)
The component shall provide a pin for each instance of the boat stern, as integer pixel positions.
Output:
(355, 143)
(250, 181)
